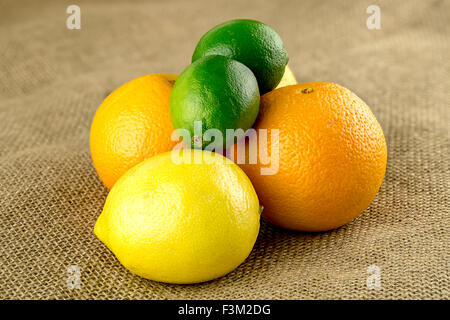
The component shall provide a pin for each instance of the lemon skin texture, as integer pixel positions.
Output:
(181, 223)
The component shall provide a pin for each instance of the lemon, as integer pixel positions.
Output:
(288, 78)
(183, 223)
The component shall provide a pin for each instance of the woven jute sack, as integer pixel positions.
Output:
(52, 79)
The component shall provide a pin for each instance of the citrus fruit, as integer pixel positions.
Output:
(182, 222)
(132, 124)
(331, 159)
(217, 92)
(251, 42)
(288, 78)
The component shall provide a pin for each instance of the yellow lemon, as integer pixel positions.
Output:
(288, 78)
(184, 219)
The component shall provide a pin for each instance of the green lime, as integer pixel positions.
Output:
(214, 92)
(251, 42)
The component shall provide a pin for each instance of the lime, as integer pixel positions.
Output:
(217, 93)
(181, 222)
(251, 42)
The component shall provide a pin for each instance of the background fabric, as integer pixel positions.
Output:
(52, 80)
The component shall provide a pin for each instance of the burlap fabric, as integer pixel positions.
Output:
(53, 79)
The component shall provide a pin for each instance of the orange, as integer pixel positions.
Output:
(132, 124)
(332, 156)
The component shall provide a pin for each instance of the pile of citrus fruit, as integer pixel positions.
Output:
(180, 212)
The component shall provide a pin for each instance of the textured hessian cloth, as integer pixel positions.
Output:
(52, 80)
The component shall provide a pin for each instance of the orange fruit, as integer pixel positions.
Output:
(332, 156)
(132, 124)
